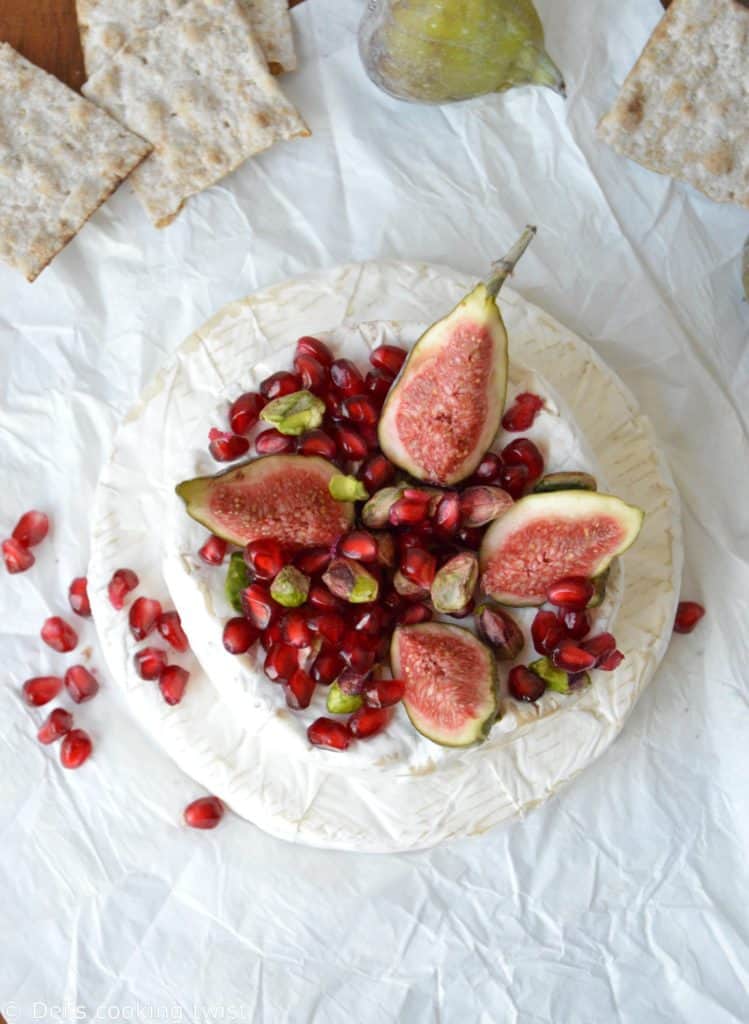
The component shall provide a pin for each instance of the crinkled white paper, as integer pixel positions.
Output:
(624, 898)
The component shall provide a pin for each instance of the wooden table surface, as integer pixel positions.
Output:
(46, 32)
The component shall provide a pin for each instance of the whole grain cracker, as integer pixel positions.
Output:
(684, 108)
(60, 158)
(198, 88)
(106, 25)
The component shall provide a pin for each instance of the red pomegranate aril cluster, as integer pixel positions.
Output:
(299, 689)
(327, 666)
(312, 374)
(525, 685)
(244, 412)
(368, 721)
(522, 412)
(359, 545)
(313, 561)
(384, 693)
(376, 472)
(310, 346)
(239, 635)
(523, 452)
(326, 732)
(346, 378)
(352, 443)
(281, 662)
(17, 558)
(572, 593)
(330, 625)
(265, 557)
(378, 385)
(226, 447)
(419, 566)
(78, 597)
(514, 479)
(259, 606)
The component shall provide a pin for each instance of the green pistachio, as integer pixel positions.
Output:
(347, 488)
(455, 582)
(290, 587)
(375, 512)
(340, 703)
(295, 413)
(350, 581)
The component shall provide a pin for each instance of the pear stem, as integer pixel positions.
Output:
(504, 267)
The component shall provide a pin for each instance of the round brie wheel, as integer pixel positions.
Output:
(232, 731)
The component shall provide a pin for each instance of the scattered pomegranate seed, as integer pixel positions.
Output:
(347, 378)
(325, 732)
(76, 748)
(314, 347)
(371, 620)
(447, 516)
(206, 812)
(359, 545)
(351, 443)
(407, 512)
(122, 582)
(317, 442)
(389, 358)
(577, 624)
(361, 409)
(313, 560)
(368, 432)
(333, 406)
(239, 635)
(213, 551)
(31, 528)
(78, 597)
(523, 452)
(376, 472)
(17, 558)
(273, 442)
(384, 693)
(327, 667)
(356, 653)
(419, 566)
(571, 592)
(150, 662)
(524, 684)
(513, 479)
(58, 635)
(600, 646)
(299, 690)
(41, 690)
(272, 634)
(279, 384)
(320, 597)
(688, 614)
(172, 683)
(265, 557)
(368, 721)
(572, 658)
(169, 625)
(56, 724)
(415, 613)
(610, 662)
(547, 632)
(521, 415)
(144, 613)
(330, 625)
(488, 469)
(226, 447)
(313, 375)
(352, 682)
(470, 536)
(378, 384)
(259, 606)
(281, 662)
(295, 629)
(80, 684)
(244, 412)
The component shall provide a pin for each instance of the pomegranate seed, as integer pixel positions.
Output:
(547, 632)
(206, 812)
(361, 409)
(384, 693)
(80, 684)
(576, 624)
(56, 724)
(144, 613)
(333, 406)
(369, 432)
(359, 545)
(352, 682)
(524, 684)
(320, 597)
(76, 748)
(169, 625)
(273, 442)
(295, 629)
(244, 412)
(259, 606)
(521, 415)
(172, 683)
(150, 662)
(239, 635)
(523, 452)
(213, 551)
(415, 613)
(376, 472)
(313, 375)
(279, 384)
(310, 346)
(419, 566)
(265, 557)
(572, 658)
(370, 620)
(31, 528)
(389, 358)
(313, 560)
(226, 447)
(330, 625)
(470, 536)
(513, 479)
(571, 592)
(447, 516)
(407, 512)
(351, 443)
(347, 378)
(78, 597)
(327, 667)
(368, 721)
(317, 442)
(41, 690)
(378, 384)
(325, 732)
(610, 662)
(600, 646)
(17, 558)
(299, 690)
(281, 662)
(58, 635)
(356, 653)
(488, 469)
(272, 634)
(688, 614)
(122, 582)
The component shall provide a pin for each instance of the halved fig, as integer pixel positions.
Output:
(545, 537)
(451, 682)
(571, 481)
(285, 497)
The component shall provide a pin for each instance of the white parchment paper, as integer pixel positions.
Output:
(623, 899)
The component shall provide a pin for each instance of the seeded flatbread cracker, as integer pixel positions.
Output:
(198, 88)
(60, 158)
(106, 25)
(684, 108)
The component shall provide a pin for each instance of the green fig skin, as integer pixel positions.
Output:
(570, 481)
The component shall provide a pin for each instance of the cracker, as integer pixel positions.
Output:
(198, 88)
(106, 25)
(60, 158)
(683, 109)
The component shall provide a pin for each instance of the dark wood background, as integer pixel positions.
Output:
(46, 32)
